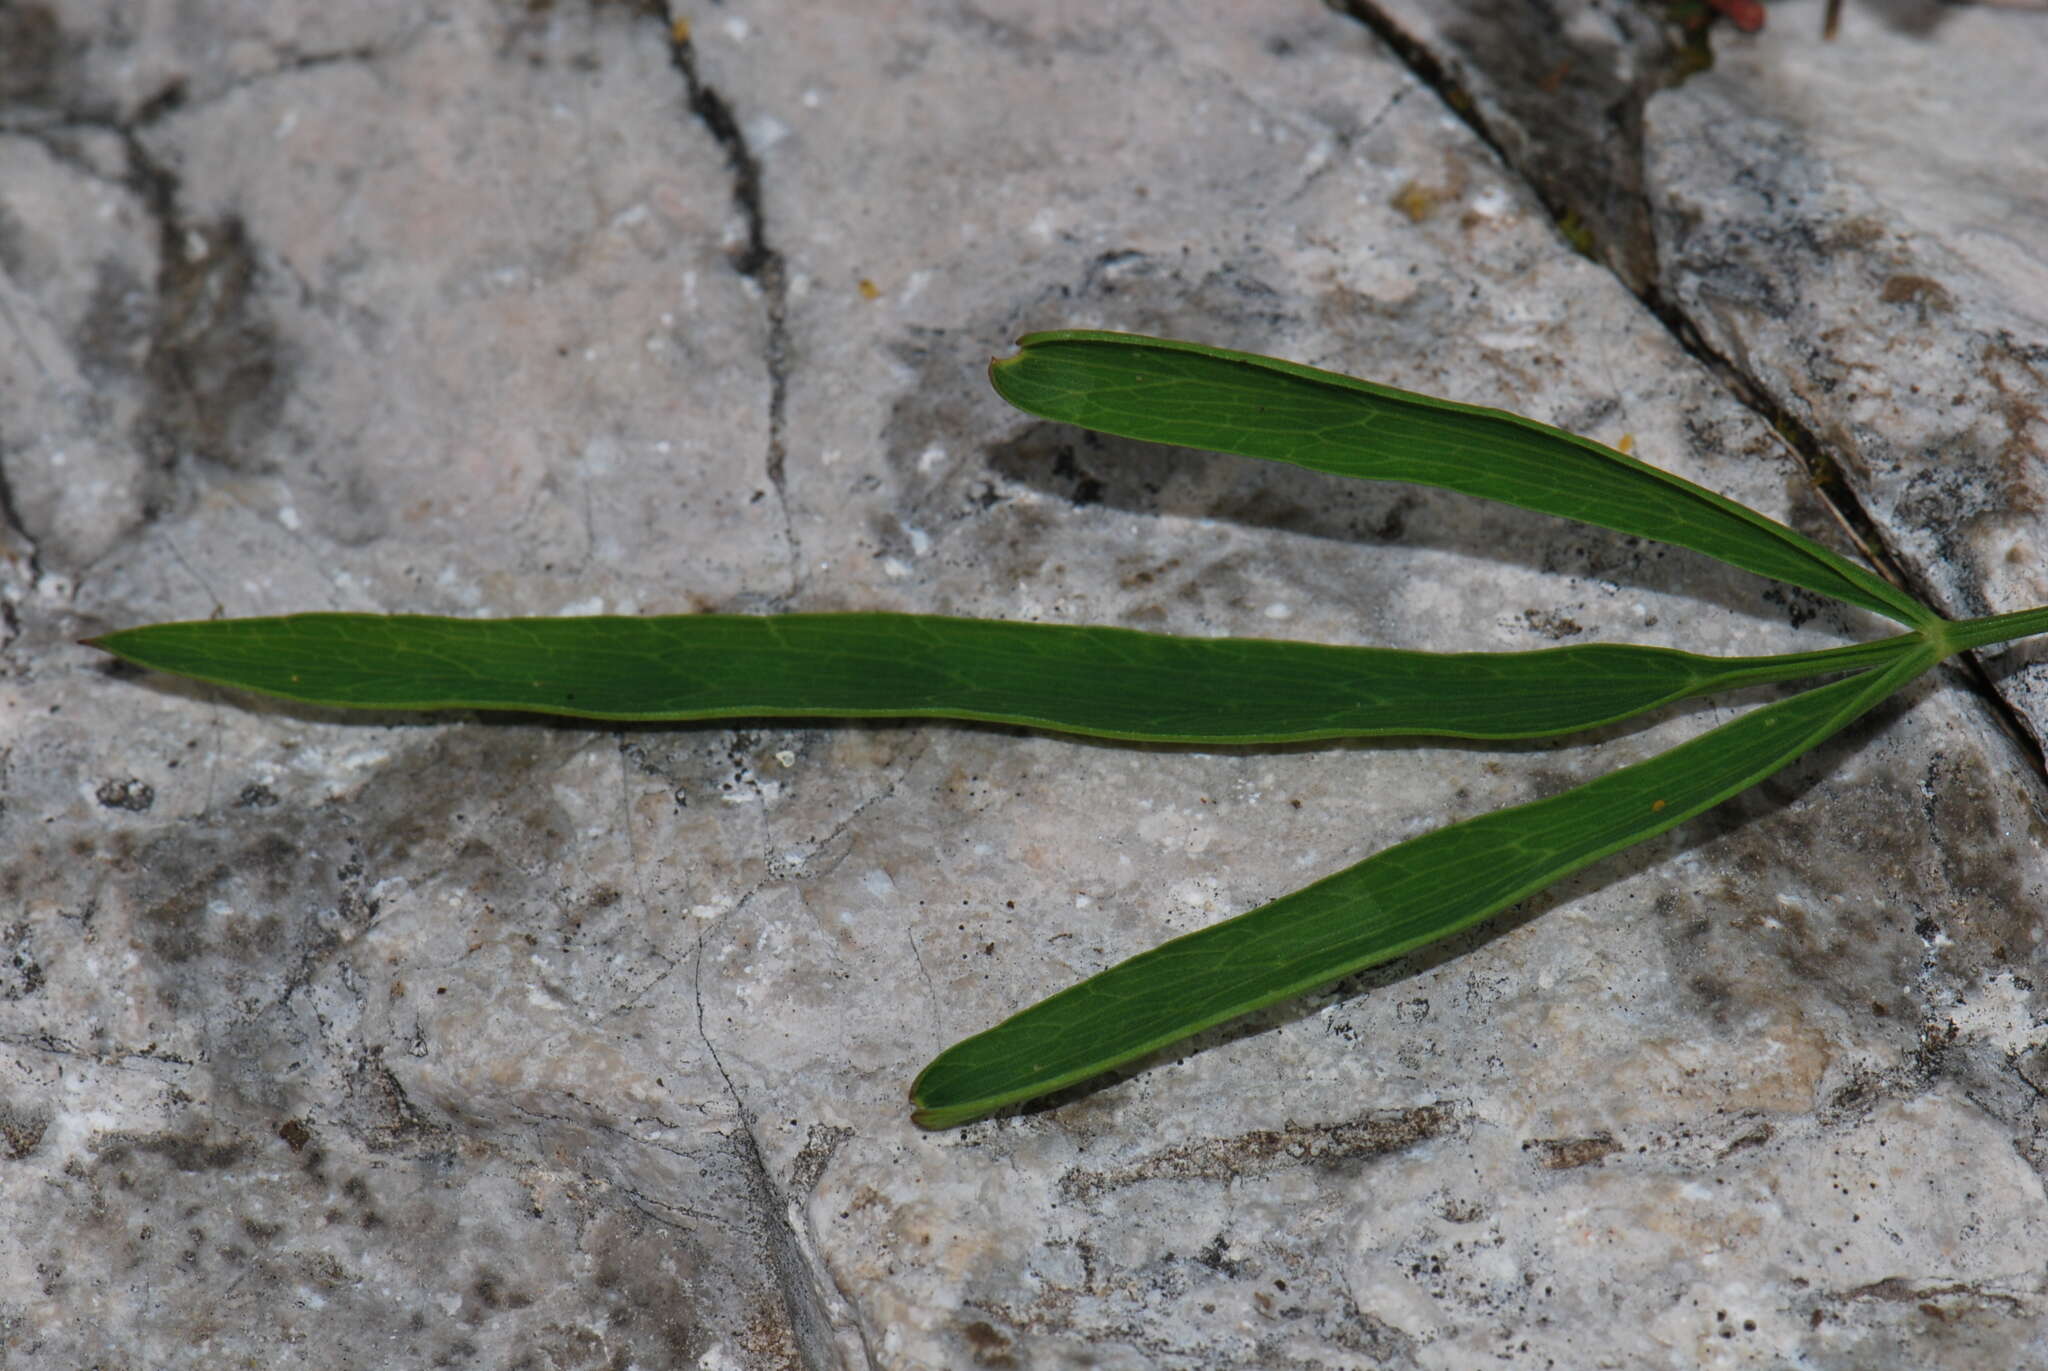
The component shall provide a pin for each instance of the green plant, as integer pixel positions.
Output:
(1116, 683)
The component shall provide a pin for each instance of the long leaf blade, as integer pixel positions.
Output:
(1400, 899)
(1103, 682)
(1165, 391)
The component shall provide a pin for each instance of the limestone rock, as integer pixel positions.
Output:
(344, 1040)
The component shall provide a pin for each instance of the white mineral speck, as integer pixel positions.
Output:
(718, 1359)
(1492, 202)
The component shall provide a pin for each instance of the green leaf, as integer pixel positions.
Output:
(1403, 898)
(1105, 682)
(1183, 393)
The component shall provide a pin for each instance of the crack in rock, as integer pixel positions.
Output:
(795, 1268)
(758, 261)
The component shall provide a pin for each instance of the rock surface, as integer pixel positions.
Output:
(400, 1041)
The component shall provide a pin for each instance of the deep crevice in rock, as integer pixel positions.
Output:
(1586, 167)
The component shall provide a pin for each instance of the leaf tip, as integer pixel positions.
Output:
(936, 1118)
(935, 1114)
(999, 372)
(921, 1112)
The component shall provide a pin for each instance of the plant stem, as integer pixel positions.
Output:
(1797, 666)
(1964, 634)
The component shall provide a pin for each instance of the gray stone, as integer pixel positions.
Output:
(397, 1041)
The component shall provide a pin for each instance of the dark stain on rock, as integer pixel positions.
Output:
(1270, 1149)
(1566, 1154)
(31, 44)
(640, 1275)
(821, 1141)
(187, 1152)
(1924, 1295)
(218, 369)
(14, 243)
(489, 1295)
(1756, 1137)
(21, 975)
(1713, 995)
(259, 1230)
(242, 907)
(1216, 1256)
(393, 1123)
(175, 925)
(256, 795)
(989, 1346)
(113, 336)
(134, 795)
(1550, 624)
(2016, 377)
(1923, 293)
(21, 1129)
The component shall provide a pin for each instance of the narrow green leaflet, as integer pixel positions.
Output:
(1105, 682)
(1183, 393)
(1403, 898)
